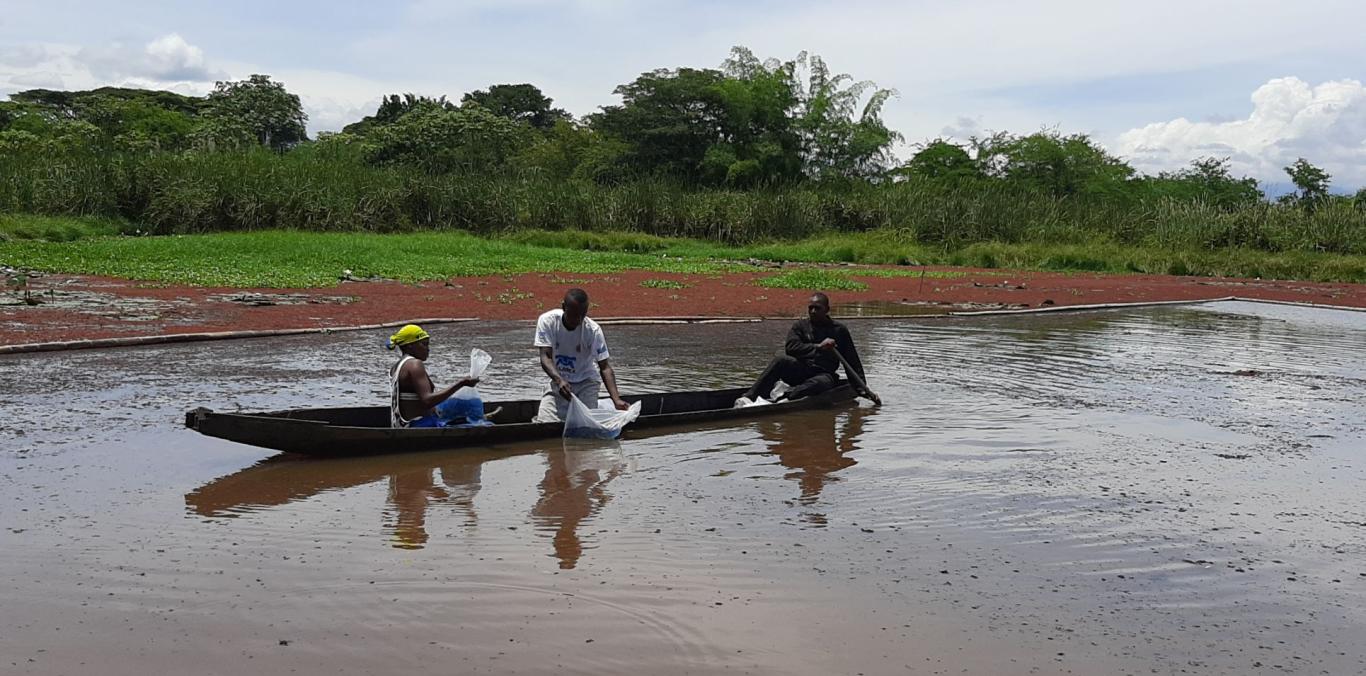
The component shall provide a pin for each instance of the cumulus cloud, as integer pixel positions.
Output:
(168, 62)
(1325, 124)
(168, 58)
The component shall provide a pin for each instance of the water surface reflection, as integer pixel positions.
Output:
(816, 447)
(573, 489)
(1170, 490)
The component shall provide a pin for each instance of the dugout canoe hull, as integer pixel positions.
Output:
(357, 431)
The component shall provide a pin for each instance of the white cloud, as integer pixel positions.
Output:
(168, 62)
(1325, 124)
(168, 58)
(1074, 65)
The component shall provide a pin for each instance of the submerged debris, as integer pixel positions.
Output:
(268, 299)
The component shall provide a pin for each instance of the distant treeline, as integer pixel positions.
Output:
(748, 151)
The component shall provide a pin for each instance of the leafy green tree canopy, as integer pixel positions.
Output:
(1311, 182)
(751, 122)
(1207, 179)
(520, 102)
(257, 110)
(69, 103)
(840, 123)
(941, 159)
(439, 139)
(123, 119)
(391, 108)
(1053, 163)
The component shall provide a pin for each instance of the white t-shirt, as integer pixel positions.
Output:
(576, 352)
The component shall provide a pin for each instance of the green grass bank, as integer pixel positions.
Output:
(294, 258)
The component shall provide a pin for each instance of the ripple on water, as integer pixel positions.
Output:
(1129, 488)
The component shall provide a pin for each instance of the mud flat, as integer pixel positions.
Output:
(74, 307)
(1164, 490)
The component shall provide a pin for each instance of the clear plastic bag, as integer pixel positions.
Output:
(466, 402)
(479, 362)
(596, 423)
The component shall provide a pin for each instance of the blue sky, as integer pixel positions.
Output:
(1160, 82)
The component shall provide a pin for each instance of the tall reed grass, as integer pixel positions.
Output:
(315, 190)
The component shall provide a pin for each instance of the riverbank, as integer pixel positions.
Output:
(79, 307)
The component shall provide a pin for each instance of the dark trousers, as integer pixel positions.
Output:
(805, 380)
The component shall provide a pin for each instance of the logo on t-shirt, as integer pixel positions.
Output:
(565, 363)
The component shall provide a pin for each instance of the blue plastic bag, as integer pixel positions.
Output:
(466, 403)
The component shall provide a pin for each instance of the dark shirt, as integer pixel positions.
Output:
(804, 337)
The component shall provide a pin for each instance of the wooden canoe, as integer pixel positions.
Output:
(339, 432)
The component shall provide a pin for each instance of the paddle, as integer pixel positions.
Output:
(861, 386)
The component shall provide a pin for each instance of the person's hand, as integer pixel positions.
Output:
(620, 404)
(562, 386)
(468, 382)
(827, 344)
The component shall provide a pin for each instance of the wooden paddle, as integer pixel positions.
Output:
(861, 386)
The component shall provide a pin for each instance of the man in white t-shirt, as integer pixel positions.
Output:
(574, 355)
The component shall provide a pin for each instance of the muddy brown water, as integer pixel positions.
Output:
(1169, 490)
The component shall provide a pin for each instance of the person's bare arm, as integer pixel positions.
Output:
(609, 378)
(415, 376)
(548, 365)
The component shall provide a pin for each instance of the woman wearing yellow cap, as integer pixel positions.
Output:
(414, 398)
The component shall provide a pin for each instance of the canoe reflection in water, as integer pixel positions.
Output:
(571, 492)
(815, 447)
(574, 489)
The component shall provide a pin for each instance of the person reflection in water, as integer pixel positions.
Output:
(409, 494)
(573, 490)
(413, 491)
(816, 447)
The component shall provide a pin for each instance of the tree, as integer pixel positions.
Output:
(1048, 161)
(713, 127)
(135, 124)
(439, 139)
(839, 138)
(1207, 179)
(1311, 182)
(124, 119)
(391, 108)
(941, 159)
(520, 102)
(32, 128)
(759, 98)
(256, 108)
(668, 119)
(69, 103)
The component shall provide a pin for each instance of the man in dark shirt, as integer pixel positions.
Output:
(808, 362)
